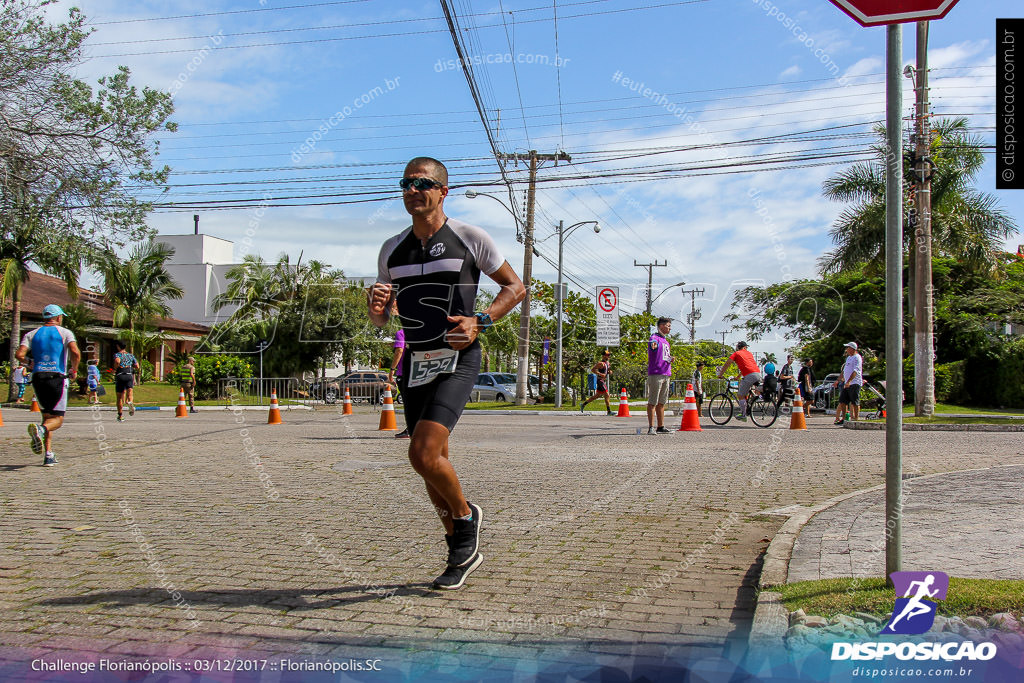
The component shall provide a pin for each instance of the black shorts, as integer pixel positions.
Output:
(123, 382)
(850, 395)
(51, 392)
(444, 399)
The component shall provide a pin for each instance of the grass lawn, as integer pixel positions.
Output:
(964, 410)
(939, 419)
(966, 597)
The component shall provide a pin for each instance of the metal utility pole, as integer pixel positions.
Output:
(694, 314)
(723, 335)
(893, 302)
(650, 277)
(924, 343)
(523, 370)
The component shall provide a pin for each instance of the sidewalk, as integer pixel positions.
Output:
(966, 524)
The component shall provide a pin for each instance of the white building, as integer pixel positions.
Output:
(200, 265)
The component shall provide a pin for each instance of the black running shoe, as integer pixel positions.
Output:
(453, 578)
(662, 430)
(465, 538)
(404, 434)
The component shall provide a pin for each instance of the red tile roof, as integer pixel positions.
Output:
(42, 289)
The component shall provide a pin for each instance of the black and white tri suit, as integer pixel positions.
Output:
(432, 281)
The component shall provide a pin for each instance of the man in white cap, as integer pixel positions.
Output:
(55, 357)
(852, 379)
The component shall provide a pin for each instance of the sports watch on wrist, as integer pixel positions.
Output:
(484, 320)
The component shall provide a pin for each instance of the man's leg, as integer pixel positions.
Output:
(854, 411)
(660, 410)
(120, 402)
(607, 403)
(428, 453)
(840, 409)
(440, 504)
(51, 423)
(650, 416)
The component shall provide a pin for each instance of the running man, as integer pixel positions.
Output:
(432, 270)
(125, 366)
(749, 373)
(659, 372)
(805, 379)
(601, 369)
(698, 385)
(55, 357)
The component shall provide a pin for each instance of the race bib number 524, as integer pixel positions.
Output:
(425, 366)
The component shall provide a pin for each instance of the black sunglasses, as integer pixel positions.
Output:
(419, 183)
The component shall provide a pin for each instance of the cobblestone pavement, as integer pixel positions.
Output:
(967, 524)
(596, 539)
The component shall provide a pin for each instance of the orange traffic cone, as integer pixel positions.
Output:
(274, 418)
(623, 404)
(798, 420)
(35, 406)
(346, 405)
(883, 415)
(387, 414)
(691, 418)
(181, 410)
(1, 418)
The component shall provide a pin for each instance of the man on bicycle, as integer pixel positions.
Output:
(749, 371)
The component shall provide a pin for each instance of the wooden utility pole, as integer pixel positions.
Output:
(694, 315)
(522, 370)
(924, 342)
(650, 277)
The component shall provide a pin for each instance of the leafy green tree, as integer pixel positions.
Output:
(307, 312)
(64, 143)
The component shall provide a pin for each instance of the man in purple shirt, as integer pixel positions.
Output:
(659, 371)
(396, 369)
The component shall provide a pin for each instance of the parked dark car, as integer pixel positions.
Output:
(367, 385)
(328, 391)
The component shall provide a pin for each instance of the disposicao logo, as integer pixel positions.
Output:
(914, 614)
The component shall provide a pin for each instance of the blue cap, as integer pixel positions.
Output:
(52, 311)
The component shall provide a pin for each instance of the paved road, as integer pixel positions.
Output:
(596, 540)
(967, 524)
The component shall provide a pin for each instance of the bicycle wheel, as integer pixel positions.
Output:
(720, 409)
(763, 413)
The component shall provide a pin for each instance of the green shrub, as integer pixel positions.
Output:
(951, 382)
(549, 395)
(212, 368)
(145, 371)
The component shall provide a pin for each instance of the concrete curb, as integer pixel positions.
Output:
(913, 427)
(771, 620)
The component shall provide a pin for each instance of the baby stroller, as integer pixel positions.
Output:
(874, 404)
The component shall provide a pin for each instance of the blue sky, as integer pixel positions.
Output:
(254, 82)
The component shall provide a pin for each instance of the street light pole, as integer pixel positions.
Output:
(562, 234)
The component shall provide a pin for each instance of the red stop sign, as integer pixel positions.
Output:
(879, 12)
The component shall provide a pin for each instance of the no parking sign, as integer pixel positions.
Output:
(608, 333)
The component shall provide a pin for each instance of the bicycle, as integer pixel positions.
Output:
(763, 411)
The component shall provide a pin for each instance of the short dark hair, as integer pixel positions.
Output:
(120, 345)
(662, 321)
(437, 168)
(700, 364)
(741, 345)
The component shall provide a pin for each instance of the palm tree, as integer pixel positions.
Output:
(967, 225)
(26, 239)
(139, 286)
